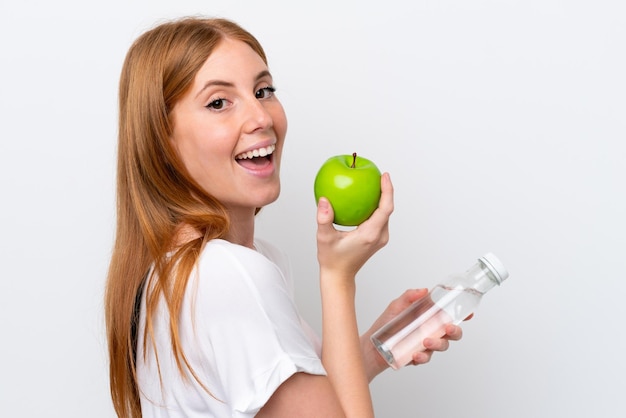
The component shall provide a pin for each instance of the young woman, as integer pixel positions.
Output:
(200, 314)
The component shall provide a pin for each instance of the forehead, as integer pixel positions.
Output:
(230, 59)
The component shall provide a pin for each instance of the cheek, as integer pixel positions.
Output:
(187, 148)
(198, 141)
(280, 123)
(197, 151)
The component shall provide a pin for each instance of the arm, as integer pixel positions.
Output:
(345, 391)
(341, 255)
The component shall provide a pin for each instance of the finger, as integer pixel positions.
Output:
(325, 214)
(411, 295)
(436, 344)
(453, 332)
(385, 204)
(421, 357)
(386, 197)
(405, 299)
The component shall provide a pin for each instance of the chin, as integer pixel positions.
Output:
(271, 198)
(263, 197)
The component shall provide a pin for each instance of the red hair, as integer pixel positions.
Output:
(155, 194)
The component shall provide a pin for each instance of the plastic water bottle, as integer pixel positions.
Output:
(448, 303)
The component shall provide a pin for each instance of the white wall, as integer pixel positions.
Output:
(502, 124)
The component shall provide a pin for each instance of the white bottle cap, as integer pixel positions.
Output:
(494, 264)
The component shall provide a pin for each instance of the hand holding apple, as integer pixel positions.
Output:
(352, 185)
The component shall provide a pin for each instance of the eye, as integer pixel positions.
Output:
(265, 92)
(217, 104)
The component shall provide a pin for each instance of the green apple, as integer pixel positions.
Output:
(352, 185)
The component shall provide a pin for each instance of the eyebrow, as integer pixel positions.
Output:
(210, 83)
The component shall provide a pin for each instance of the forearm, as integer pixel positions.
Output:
(373, 361)
(341, 346)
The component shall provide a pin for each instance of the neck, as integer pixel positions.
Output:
(241, 227)
(241, 230)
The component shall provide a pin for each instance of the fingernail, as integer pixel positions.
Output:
(323, 204)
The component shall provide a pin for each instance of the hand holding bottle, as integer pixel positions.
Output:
(374, 362)
(447, 303)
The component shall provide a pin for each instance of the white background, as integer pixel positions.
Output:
(502, 123)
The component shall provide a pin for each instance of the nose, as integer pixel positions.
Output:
(257, 116)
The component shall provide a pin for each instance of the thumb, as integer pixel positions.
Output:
(325, 214)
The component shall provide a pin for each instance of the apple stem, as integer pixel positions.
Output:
(353, 160)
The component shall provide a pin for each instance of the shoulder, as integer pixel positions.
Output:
(221, 253)
(223, 265)
(273, 253)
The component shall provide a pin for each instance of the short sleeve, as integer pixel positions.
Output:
(246, 330)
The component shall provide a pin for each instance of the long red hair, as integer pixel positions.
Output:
(155, 194)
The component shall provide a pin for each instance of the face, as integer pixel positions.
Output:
(229, 129)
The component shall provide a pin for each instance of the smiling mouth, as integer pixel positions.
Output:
(256, 158)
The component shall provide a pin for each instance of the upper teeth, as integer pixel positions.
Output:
(259, 152)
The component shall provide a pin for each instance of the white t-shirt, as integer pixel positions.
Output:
(240, 331)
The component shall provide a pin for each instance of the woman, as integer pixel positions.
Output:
(200, 316)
